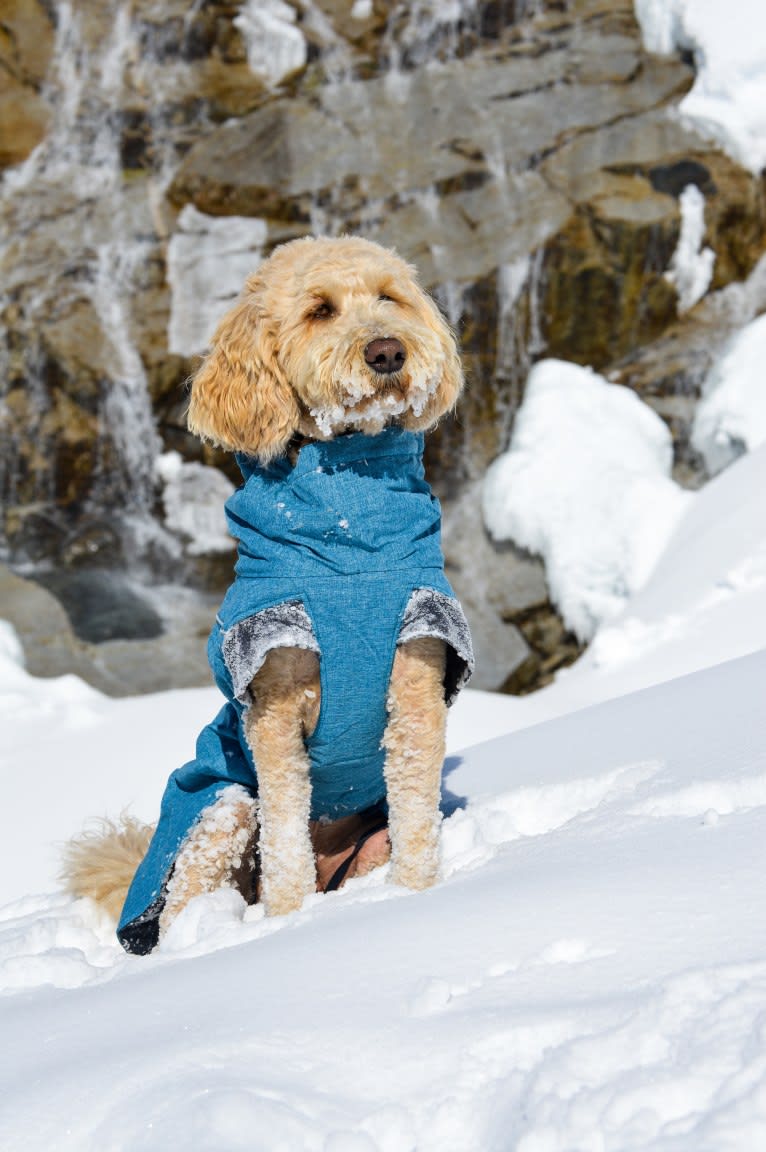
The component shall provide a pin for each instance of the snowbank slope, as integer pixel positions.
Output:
(590, 973)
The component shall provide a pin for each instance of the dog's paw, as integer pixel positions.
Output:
(284, 900)
(415, 873)
(286, 884)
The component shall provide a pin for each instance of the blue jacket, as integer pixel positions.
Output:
(340, 553)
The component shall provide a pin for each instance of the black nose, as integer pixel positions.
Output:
(385, 356)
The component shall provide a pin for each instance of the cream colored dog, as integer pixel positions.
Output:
(330, 336)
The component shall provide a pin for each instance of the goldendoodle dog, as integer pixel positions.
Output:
(340, 644)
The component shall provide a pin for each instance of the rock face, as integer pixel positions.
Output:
(524, 155)
(26, 44)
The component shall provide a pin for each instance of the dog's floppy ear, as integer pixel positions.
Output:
(240, 398)
(451, 381)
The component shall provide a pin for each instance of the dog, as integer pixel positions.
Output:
(340, 644)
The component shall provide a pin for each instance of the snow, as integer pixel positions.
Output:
(731, 417)
(728, 99)
(589, 973)
(703, 602)
(691, 266)
(276, 47)
(193, 496)
(209, 259)
(363, 409)
(586, 485)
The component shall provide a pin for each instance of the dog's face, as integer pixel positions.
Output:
(329, 336)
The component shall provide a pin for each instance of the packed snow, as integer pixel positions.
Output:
(586, 485)
(728, 99)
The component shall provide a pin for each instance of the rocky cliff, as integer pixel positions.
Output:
(525, 155)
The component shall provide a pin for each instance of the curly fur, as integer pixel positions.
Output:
(287, 360)
(289, 357)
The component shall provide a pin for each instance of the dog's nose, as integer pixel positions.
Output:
(386, 355)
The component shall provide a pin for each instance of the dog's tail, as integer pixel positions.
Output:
(102, 862)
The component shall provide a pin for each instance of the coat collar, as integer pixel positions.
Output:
(342, 451)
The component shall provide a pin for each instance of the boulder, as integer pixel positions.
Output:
(175, 657)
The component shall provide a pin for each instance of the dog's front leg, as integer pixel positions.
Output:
(414, 743)
(284, 712)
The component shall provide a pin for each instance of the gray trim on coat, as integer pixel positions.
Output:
(246, 644)
(431, 613)
(288, 625)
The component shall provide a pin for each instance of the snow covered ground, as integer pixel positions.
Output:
(590, 972)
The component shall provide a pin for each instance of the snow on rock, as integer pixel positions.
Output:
(661, 25)
(731, 417)
(728, 98)
(691, 266)
(361, 10)
(586, 485)
(193, 496)
(209, 259)
(276, 47)
(704, 602)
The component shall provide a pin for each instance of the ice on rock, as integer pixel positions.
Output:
(276, 47)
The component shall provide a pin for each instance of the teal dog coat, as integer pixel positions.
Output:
(340, 554)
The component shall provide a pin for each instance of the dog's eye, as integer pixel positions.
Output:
(322, 311)
(386, 298)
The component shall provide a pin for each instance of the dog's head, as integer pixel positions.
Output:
(328, 336)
